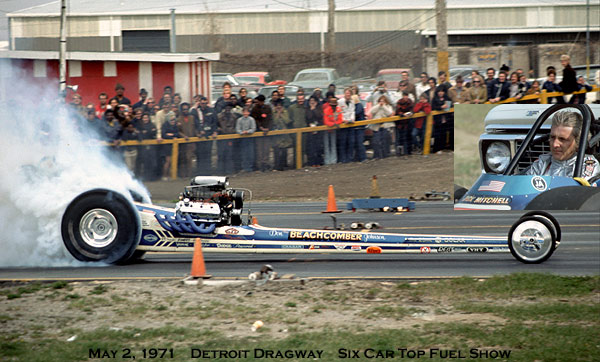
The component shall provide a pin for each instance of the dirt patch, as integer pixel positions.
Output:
(283, 306)
(397, 177)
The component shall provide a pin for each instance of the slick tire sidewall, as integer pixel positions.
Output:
(128, 234)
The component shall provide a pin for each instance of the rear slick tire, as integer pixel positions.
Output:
(532, 239)
(101, 225)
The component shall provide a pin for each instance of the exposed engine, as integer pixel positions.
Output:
(209, 199)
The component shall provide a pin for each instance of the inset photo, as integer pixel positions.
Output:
(527, 157)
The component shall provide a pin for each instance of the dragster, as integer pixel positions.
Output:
(106, 226)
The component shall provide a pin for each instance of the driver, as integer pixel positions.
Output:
(564, 143)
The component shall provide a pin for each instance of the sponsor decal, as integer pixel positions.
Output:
(150, 238)
(221, 245)
(183, 244)
(425, 250)
(539, 183)
(355, 248)
(590, 165)
(284, 246)
(324, 235)
(487, 200)
(495, 186)
(275, 233)
(437, 240)
(445, 249)
(340, 246)
(232, 231)
(374, 237)
(531, 113)
(477, 249)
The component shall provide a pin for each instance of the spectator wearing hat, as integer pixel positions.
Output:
(262, 114)
(143, 100)
(120, 90)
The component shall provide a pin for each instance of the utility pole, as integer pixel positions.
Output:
(442, 36)
(587, 42)
(62, 62)
(173, 43)
(330, 30)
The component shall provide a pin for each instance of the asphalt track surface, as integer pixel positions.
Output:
(578, 254)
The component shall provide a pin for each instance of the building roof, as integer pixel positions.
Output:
(136, 7)
(113, 56)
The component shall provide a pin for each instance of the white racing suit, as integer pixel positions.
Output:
(547, 166)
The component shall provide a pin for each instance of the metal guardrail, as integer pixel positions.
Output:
(544, 95)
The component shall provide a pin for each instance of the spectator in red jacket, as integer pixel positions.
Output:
(417, 132)
(332, 117)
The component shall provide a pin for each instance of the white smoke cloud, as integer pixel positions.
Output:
(46, 160)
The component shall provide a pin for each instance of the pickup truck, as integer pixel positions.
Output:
(309, 79)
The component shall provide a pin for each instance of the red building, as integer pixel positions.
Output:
(96, 72)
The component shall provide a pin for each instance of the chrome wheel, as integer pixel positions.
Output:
(532, 240)
(98, 228)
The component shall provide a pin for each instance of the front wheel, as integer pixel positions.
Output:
(532, 239)
(101, 225)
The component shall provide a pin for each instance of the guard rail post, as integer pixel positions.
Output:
(174, 159)
(544, 96)
(427, 136)
(298, 150)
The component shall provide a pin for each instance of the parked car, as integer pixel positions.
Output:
(464, 71)
(393, 76)
(257, 78)
(218, 79)
(309, 79)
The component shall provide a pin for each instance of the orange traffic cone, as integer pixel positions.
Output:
(198, 267)
(254, 220)
(331, 204)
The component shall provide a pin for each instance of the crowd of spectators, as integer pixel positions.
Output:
(116, 119)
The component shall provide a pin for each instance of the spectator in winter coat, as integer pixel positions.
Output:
(551, 86)
(404, 127)
(477, 93)
(417, 132)
(569, 81)
(382, 109)
(314, 140)
(332, 117)
(262, 114)
(498, 89)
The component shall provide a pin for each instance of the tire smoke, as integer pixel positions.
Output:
(47, 157)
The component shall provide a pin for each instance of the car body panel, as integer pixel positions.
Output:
(514, 192)
(260, 239)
